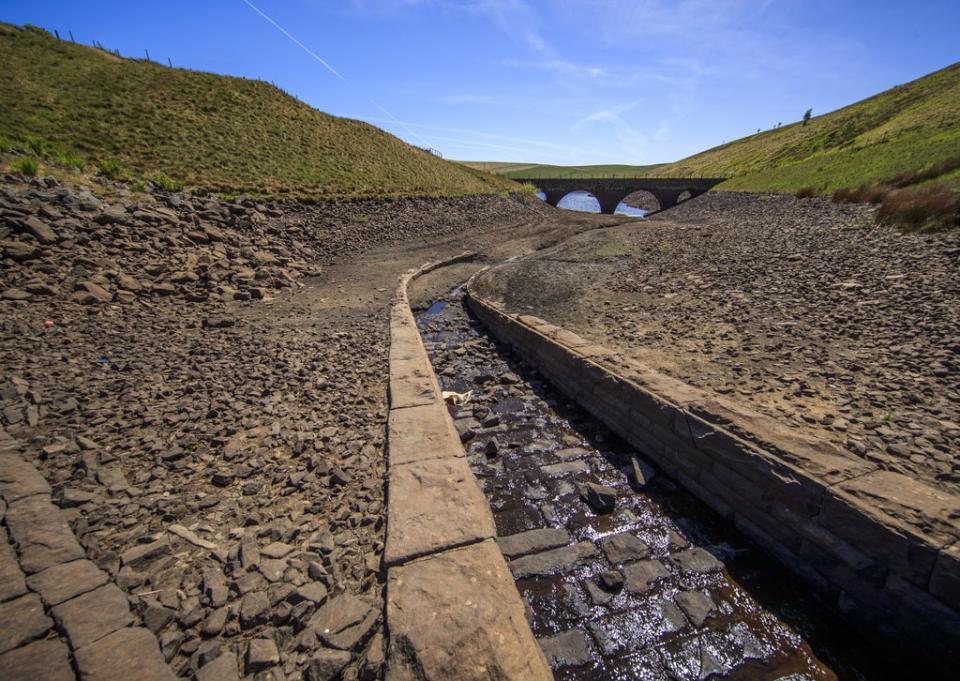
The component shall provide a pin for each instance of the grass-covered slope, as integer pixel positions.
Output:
(520, 171)
(206, 130)
(905, 129)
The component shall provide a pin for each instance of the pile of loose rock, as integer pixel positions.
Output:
(213, 430)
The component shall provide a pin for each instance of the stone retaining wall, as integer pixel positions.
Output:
(61, 616)
(453, 611)
(880, 547)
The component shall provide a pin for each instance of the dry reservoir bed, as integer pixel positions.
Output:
(797, 308)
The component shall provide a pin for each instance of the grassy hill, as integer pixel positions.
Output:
(906, 129)
(205, 130)
(520, 171)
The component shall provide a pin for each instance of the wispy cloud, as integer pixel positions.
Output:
(465, 99)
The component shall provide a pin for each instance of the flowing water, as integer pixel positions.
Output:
(659, 588)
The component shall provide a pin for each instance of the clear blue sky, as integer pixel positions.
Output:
(552, 81)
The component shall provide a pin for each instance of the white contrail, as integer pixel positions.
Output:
(332, 70)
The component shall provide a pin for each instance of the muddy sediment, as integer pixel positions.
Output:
(657, 586)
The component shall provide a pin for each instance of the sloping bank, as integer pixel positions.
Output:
(879, 546)
(453, 611)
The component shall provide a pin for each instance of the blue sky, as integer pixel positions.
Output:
(551, 81)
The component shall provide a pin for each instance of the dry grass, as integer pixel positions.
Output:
(926, 209)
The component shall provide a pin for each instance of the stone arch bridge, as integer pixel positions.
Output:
(611, 191)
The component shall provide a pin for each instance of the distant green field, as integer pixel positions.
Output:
(63, 100)
(519, 171)
(905, 129)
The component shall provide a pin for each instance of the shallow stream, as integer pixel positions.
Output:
(658, 588)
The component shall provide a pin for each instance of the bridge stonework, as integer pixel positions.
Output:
(609, 192)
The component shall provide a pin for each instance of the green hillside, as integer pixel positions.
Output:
(206, 130)
(520, 171)
(906, 129)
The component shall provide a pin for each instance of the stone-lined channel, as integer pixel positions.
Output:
(658, 587)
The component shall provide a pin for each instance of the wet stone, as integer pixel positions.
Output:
(553, 561)
(532, 541)
(637, 628)
(696, 560)
(600, 498)
(621, 548)
(697, 606)
(556, 470)
(640, 576)
(567, 649)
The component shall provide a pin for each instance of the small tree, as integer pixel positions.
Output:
(806, 116)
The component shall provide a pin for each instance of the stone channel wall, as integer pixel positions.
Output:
(453, 611)
(61, 616)
(880, 547)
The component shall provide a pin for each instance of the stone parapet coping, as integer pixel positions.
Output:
(880, 547)
(453, 610)
(61, 616)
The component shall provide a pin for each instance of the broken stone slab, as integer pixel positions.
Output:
(567, 649)
(600, 498)
(262, 653)
(344, 622)
(187, 535)
(44, 660)
(326, 665)
(19, 479)
(129, 653)
(221, 668)
(696, 605)
(639, 577)
(532, 541)
(433, 505)
(41, 533)
(65, 581)
(93, 615)
(642, 473)
(553, 561)
(696, 560)
(458, 615)
(624, 547)
(412, 383)
(22, 620)
(422, 432)
(555, 470)
(141, 554)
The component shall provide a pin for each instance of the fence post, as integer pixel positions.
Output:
(56, 33)
(71, 37)
(148, 53)
(169, 63)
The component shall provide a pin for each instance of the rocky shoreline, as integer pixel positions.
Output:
(800, 308)
(208, 406)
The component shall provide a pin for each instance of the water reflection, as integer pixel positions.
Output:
(586, 202)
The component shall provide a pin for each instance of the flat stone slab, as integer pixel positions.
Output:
(532, 541)
(458, 615)
(422, 432)
(344, 622)
(22, 620)
(412, 383)
(130, 653)
(639, 577)
(555, 470)
(41, 533)
(624, 547)
(696, 560)
(93, 615)
(567, 649)
(65, 581)
(221, 668)
(19, 479)
(45, 660)
(12, 583)
(553, 561)
(433, 505)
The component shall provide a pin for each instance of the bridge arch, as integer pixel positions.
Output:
(609, 192)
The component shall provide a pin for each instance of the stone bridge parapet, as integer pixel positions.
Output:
(611, 191)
